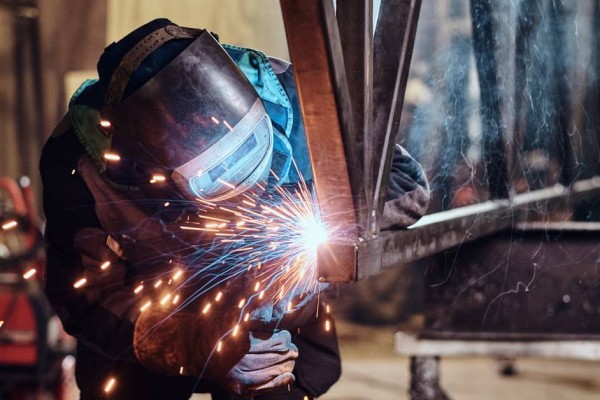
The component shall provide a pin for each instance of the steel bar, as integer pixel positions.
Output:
(393, 45)
(315, 81)
(343, 100)
(355, 22)
(493, 146)
(506, 336)
(569, 349)
(444, 230)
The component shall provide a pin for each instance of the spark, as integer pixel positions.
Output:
(167, 204)
(145, 306)
(105, 265)
(29, 273)
(227, 125)
(112, 157)
(158, 178)
(166, 298)
(79, 283)
(9, 225)
(1, 323)
(110, 385)
(268, 240)
(213, 218)
(177, 274)
(73, 171)
(181, 370)
(195, 228)
(208, 203)
(327, 309)
(105, 124)
(215, 120)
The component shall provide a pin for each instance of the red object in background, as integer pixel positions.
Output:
(33, 345)
(18, 334)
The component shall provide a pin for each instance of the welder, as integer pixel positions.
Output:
(175, 119)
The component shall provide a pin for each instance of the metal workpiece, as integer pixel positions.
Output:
(315, 81)
(334, 69)
(341, 73)
(337, 262)
(444, 230)
(355, 22)
(576, 349)
(393, 46)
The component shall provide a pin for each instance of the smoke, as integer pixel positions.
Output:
(515, 104)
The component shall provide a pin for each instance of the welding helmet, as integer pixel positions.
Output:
(197, 125)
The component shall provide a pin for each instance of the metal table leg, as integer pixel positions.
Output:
(425, 379)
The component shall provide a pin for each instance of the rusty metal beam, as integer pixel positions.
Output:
(311, 47)
(444, 230)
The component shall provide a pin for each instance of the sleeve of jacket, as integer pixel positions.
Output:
(408, 192)
(100, 313)
(104, 313)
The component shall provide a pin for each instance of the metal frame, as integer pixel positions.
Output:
(360, 118)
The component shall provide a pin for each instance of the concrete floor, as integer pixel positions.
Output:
(372, 372)
(469, 379)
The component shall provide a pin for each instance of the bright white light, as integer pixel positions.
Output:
(313, 234)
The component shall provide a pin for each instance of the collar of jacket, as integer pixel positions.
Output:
(86, 103)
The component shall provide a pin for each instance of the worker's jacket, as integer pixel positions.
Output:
(90, 222)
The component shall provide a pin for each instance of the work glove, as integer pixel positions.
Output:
(408, 192)
(296, 303)
(267, 365)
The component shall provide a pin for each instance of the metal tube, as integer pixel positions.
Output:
(393, 46)
(355, 21)
(314, 77)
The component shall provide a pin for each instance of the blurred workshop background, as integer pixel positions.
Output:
(49, 47)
